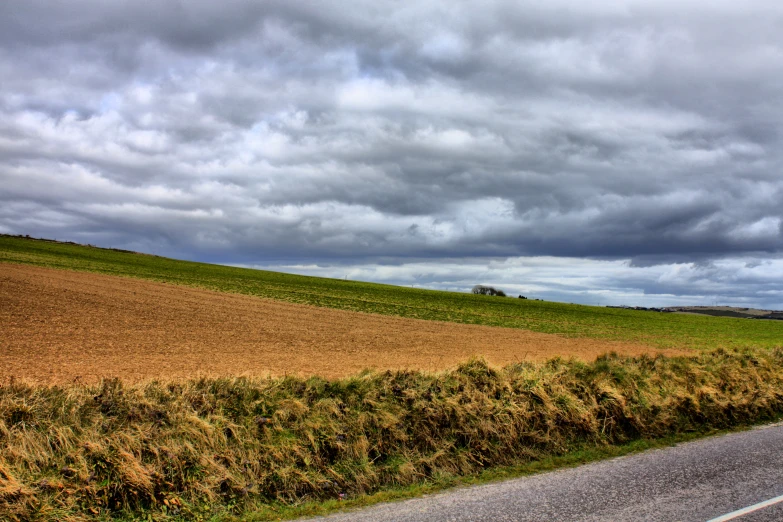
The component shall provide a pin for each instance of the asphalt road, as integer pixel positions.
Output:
(695, 481)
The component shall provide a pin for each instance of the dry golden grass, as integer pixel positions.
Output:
(214, 447)
(60, 326)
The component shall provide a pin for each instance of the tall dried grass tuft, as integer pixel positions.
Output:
(178, 448)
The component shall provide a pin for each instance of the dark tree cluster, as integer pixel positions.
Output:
(487, 290)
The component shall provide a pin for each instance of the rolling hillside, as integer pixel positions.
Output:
(659, 330)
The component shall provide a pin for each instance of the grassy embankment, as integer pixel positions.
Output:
(217, 449)
(253, 448)
(660, 330)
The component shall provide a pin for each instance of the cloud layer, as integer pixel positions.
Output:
(288, 133)
(730, 281)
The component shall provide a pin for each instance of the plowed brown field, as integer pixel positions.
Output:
(58, 326)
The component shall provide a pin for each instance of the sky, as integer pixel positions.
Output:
(614, 152)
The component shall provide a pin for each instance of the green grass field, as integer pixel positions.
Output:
(656, 329)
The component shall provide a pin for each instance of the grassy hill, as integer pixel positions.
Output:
(662, 330)
(237, 448)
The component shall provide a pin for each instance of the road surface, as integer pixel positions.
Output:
(707, 480)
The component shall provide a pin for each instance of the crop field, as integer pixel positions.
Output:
(187, 391)
(571, 321)
(62, 326)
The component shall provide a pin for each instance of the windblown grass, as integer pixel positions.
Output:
(215, 447)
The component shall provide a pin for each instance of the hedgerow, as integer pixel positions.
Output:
(194, 448)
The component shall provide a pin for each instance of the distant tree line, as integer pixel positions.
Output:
(487, 290)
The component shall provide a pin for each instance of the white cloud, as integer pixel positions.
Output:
(647, 131)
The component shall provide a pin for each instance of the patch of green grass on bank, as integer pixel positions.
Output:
(654, 329)
(249, 448)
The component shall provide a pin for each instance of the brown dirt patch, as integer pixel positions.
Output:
(58, 326)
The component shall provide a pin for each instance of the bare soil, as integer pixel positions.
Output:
(60, 326)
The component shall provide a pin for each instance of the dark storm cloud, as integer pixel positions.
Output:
(249, 132)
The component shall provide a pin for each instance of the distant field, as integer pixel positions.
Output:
(61, 326)
(574, 321)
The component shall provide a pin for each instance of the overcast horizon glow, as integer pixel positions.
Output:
(625, 152)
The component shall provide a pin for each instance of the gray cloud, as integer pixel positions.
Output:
(289, 132)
